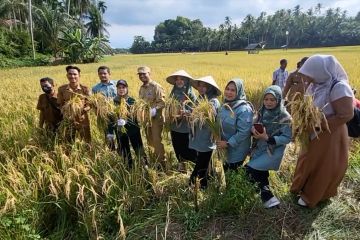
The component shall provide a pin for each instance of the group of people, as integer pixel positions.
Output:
(262, 135)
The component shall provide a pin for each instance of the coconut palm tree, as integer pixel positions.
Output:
(50, 23)
(96, 26)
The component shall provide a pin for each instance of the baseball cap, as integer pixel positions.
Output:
(121, 82)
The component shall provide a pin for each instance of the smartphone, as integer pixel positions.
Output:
(259, 127)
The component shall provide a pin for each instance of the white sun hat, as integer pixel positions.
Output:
(207, 79)
(182, 73)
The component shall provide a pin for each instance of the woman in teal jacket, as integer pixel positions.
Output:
(235, 117)
(201, 139)
(269, 142)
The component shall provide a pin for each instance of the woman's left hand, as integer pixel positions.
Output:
(257, 135)
(221, 144)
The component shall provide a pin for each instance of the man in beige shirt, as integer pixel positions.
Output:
(65, 93)
(154, 94)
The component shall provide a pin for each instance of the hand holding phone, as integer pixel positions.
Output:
(259, 127)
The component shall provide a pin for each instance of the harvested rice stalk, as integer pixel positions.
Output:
(72, 109)
(306, 117)
(141, 111)
(122, 111)
(202, 113)
(172, 110)
(102, 105)
(218, 170)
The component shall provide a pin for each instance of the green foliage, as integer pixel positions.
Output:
(305, 29)
(239, 196)
(18, 226)
(51, 19)
(40, 60)
(140, 45)
(14, 44)
(79, 48)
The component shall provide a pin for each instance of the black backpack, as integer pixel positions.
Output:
(354, 124)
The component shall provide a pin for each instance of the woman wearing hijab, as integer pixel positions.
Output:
(200, 139)
(321, 168)
(132, 130)
(271, 133)
(181, 91)
(235, 117)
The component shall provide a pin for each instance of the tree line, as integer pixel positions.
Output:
(71, 30)
(295, 27)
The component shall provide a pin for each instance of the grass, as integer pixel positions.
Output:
(53, 191)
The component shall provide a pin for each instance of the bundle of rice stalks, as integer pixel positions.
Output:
(122, 111)
(141, 112)
(218, 170)
(172, 110)
(306, 118)
(203, 113)
(103, 106)
(72, 109)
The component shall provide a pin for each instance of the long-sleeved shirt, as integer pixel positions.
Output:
(236, 130)
(154, 94)
(65, 93)
(50, 114)
(107, 89)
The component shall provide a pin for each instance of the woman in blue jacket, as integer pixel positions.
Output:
(201, 140)
(270, 141)
(235, 117)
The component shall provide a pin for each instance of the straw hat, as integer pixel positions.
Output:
(209, 80)
(182, 73)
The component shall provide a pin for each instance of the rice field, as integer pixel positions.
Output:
(54, 191)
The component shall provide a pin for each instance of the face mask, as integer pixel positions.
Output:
(46, 89)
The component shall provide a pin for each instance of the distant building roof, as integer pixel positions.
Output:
(252, 46)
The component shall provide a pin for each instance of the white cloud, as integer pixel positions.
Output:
(123, 36)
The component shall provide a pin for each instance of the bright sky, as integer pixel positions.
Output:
(129, 18)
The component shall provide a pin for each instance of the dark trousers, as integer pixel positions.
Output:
(232, 166)
(180, 142)
(201, 167)
(261, 178)
(123, 142)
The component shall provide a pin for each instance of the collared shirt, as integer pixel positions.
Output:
(279, 77)
(294, 84)
(65, 93)
(107, 89)
(154, 94)
(50, 114)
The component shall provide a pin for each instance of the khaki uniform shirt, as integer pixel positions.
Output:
(154, 94)
(65, 93)
(294, 84)
(50, 113)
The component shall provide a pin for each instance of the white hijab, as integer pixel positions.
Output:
(325, 70)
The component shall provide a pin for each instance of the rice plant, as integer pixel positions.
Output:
(306, 119)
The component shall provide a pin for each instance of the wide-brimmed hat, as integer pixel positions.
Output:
(182, 73)
(207, 79)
